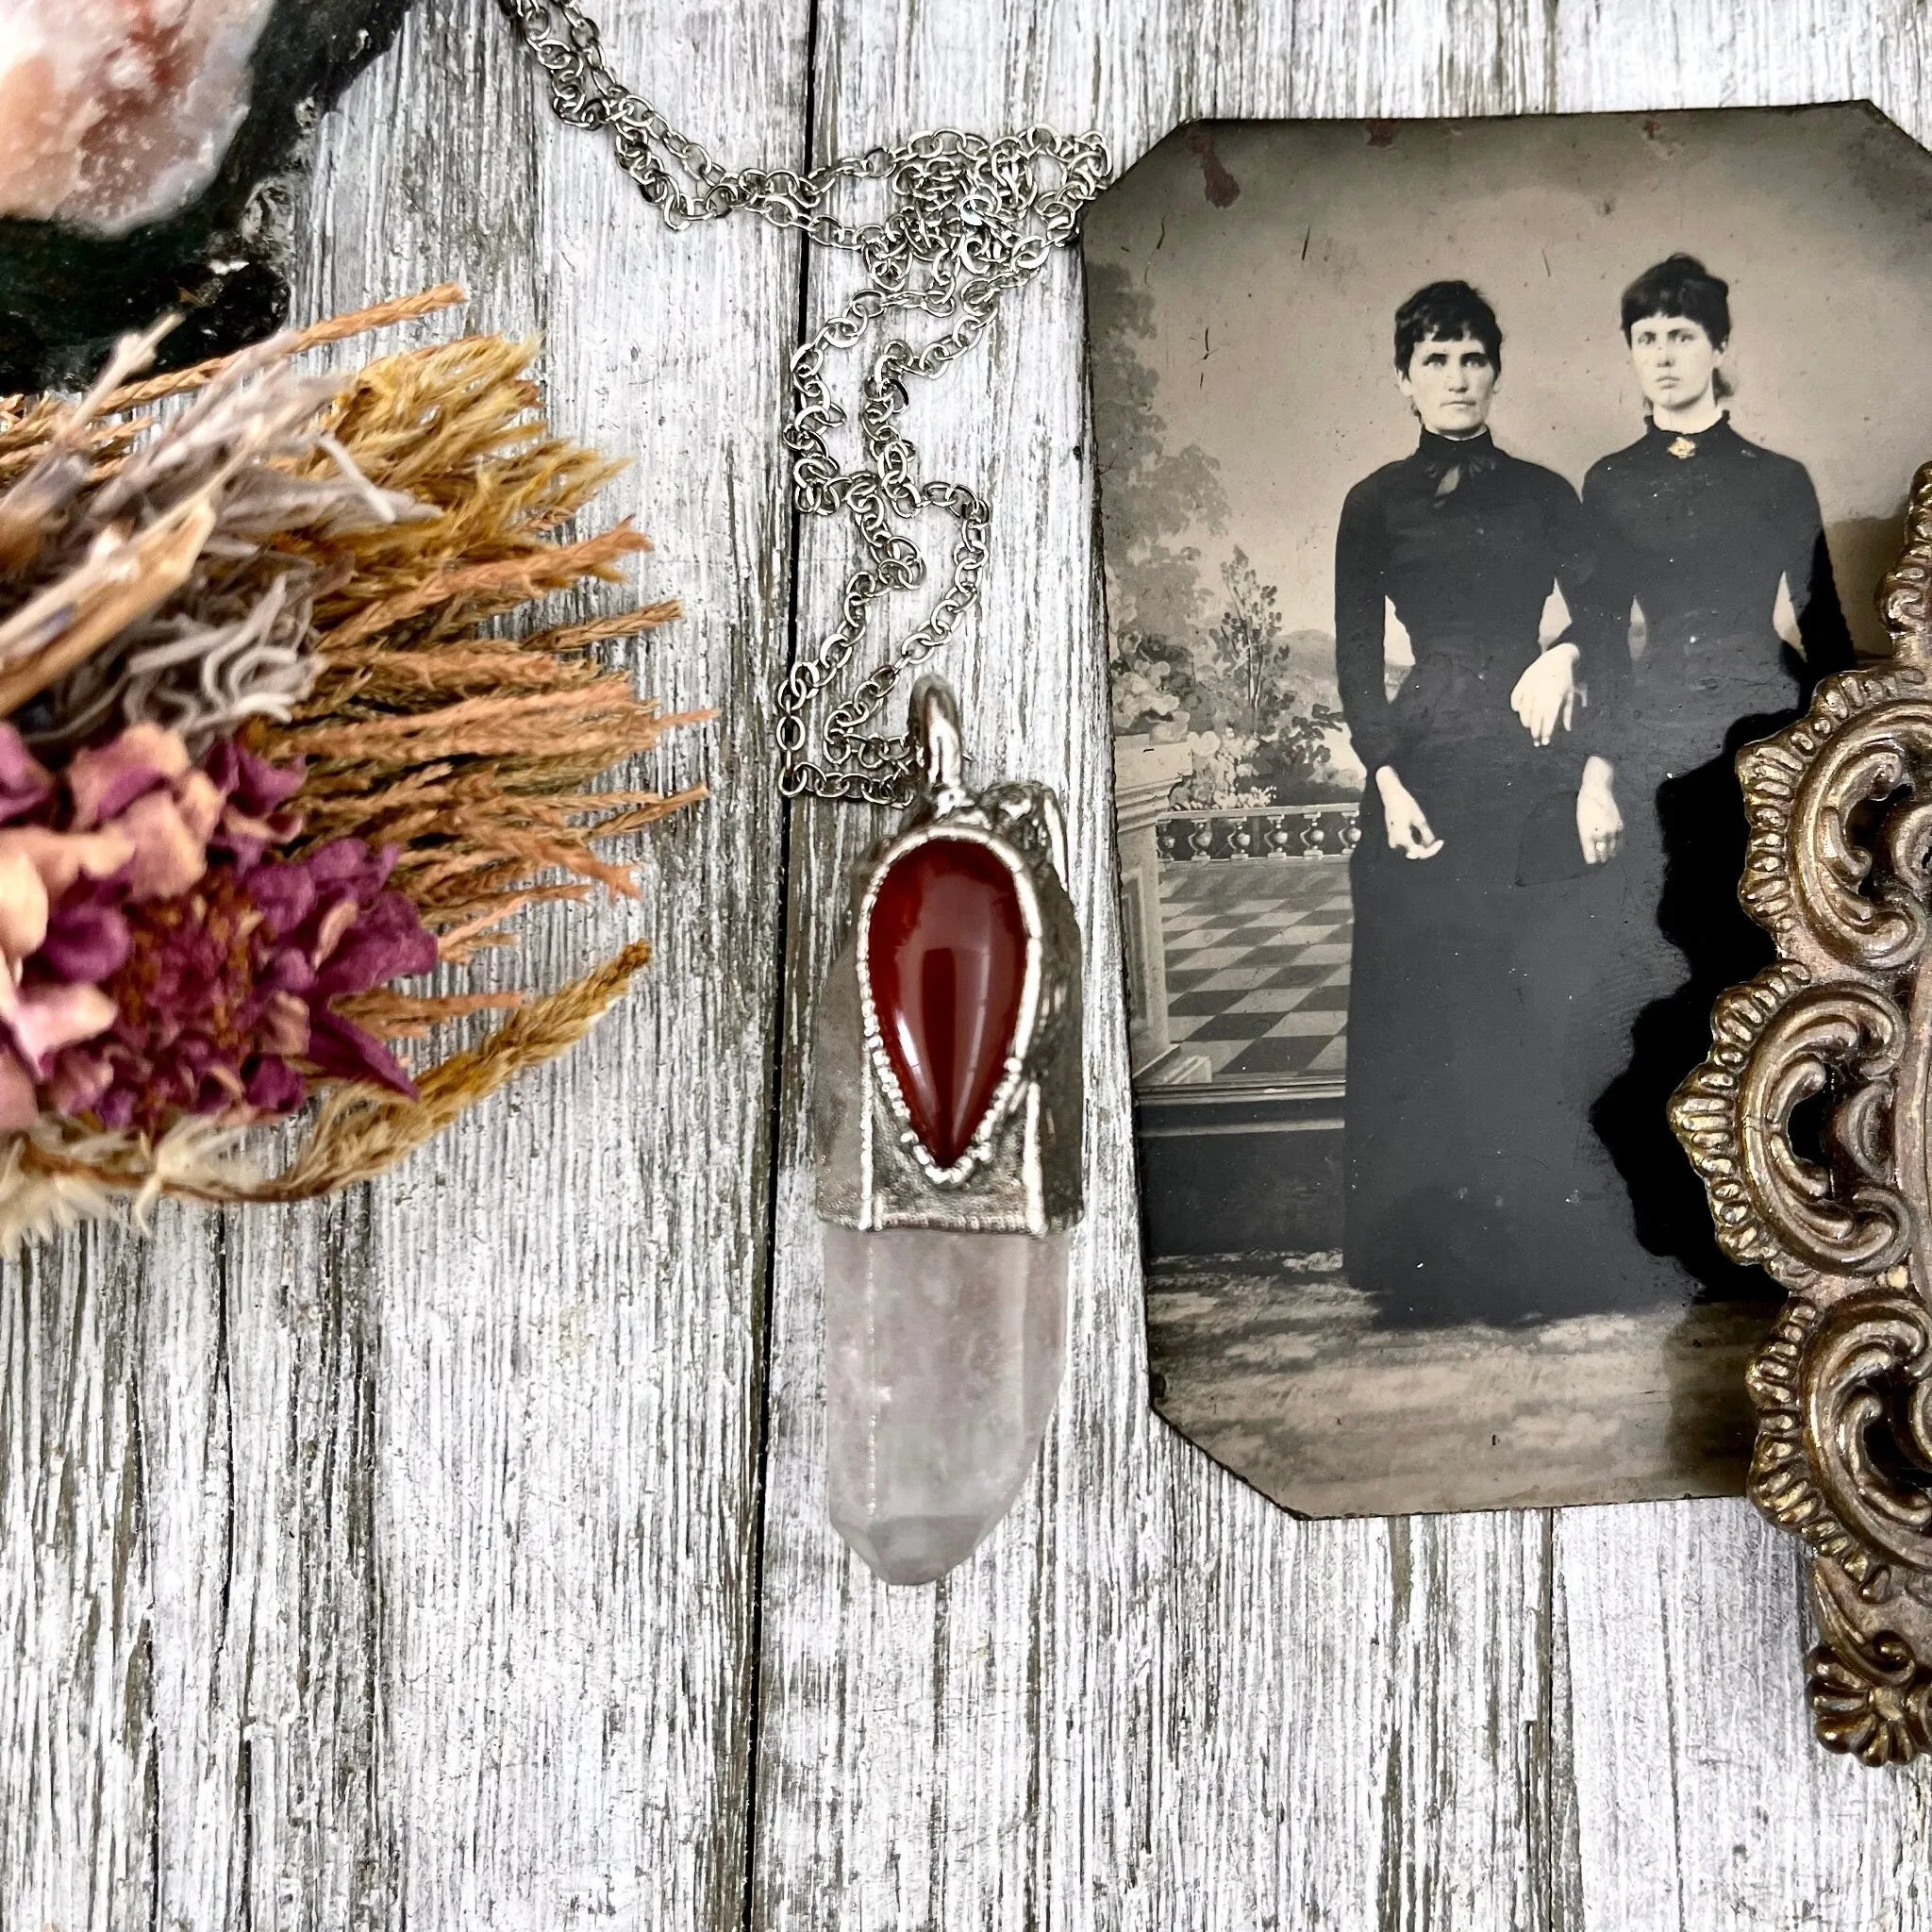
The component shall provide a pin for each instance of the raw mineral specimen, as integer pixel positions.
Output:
(144, 153)
(119, 111)
(948, 1116)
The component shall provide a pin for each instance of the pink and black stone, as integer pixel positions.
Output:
(146, 157)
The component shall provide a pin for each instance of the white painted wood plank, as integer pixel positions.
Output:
(1153, 1700)
(1699, 1795)
(75, 1753)
(186, 1472)
(184, 1579)
(273, 1802)
(566, 1295)
(395, 1559)
(291, 1699)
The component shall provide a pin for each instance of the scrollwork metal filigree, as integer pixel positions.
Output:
(1871, 1688)
(1808, 1125)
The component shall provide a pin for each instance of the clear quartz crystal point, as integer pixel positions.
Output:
(944, 1353)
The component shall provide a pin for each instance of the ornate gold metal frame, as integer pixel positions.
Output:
(1808, 1125)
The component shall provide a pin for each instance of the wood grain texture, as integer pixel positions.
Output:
(566, 1412)
(1687, 1725)
(1155, 1701)
(388, 1562)
(423, 1558)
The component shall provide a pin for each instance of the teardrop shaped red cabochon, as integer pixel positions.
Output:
(946, 958)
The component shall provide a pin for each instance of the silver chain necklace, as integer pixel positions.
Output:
(948, 1077)
(970, 219)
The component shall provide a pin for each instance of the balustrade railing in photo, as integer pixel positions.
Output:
(1271, 831)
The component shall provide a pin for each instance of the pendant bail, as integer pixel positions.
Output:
(933, 724)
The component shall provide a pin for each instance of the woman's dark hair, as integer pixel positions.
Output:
(1680, 285)
(1446, 312)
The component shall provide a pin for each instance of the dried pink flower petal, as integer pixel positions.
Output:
(386, 942)
(201, 804)
(41, 1019)
(18, 1104)
(80, 1076)
(168, 858)
(23, 905)
(62, 858)
(87, 937)
(26, 784)
(255, 792)
(248, 782)
(223, 1003)
(275, 1087)
(155, 962)
(285, 1026)
(104, 780)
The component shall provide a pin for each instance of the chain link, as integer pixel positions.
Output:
(969, 219)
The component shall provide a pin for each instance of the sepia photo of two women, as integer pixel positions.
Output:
(1551, 832)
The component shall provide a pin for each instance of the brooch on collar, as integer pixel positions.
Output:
(1682, 447)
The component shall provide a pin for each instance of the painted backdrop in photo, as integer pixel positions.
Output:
(1275, 257)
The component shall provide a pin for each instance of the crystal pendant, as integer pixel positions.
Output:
(949, 1122)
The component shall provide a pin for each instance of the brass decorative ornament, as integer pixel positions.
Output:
(1808, 1123)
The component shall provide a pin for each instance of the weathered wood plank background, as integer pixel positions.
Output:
(455, 1556)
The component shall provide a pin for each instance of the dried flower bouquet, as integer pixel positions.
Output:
(267, 750)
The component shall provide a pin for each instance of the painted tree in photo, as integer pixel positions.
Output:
(1151, 498)
(1249, 676)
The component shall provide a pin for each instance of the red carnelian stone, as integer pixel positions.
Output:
(946, 955)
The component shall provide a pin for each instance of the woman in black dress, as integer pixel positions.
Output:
(1695, 530)
(1474, 1188)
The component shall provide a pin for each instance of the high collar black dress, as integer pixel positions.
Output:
(1474, 1188)
(1466, 543)
(1696, 532)
(1695, 535)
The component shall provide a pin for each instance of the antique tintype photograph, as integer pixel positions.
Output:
(1471, 492)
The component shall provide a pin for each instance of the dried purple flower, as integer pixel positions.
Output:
(154, 959)
(223, 1001)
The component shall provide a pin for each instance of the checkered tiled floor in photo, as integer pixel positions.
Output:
(1257, 963)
